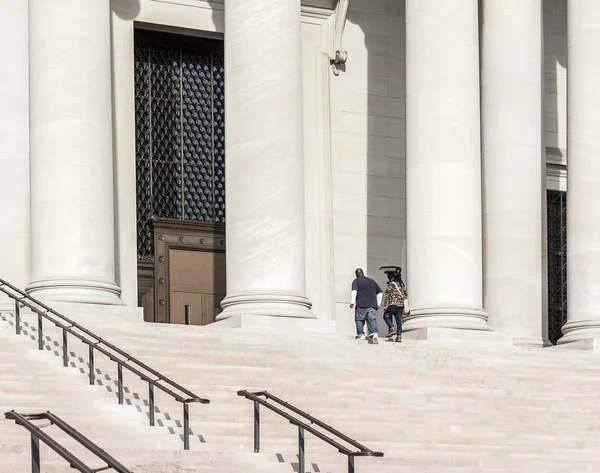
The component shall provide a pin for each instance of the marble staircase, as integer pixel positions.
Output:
(429, 407)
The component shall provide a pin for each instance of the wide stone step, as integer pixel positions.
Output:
(434, 409)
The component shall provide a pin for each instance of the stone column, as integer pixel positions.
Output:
(513, 168)
(14, 146)
(72, 222)
(264, 174)
(583, 172)
(443, 169)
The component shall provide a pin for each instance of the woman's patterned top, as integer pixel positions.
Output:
(395, 293)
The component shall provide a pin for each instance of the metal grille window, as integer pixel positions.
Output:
(557, 263)
(180, 131)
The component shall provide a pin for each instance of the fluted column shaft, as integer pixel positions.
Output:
(583, 172)
(14, 144)
(513, 168)
(265, 172)
(443, 169)
(72, 221)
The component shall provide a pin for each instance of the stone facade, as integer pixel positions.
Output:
(338, 162)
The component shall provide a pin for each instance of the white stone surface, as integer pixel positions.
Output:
(555, 76)
(583, 178)
(14, 143)
(316, 74)
(368, 150)
(513, 152)
(249, 323)
(490, 404)
(71, 152)
(123, 106)
(449, 336)
(265, 169)
(443, 170)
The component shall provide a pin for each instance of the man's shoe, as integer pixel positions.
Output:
(375, 339)
(391, 333)
(361, 337)
(399, 339)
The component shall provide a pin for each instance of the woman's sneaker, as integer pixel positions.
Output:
(391, 333)
(399, 338)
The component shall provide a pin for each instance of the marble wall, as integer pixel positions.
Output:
(14, 144)
(555, 99)
(368, 149)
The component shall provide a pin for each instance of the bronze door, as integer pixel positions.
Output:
(197, 280)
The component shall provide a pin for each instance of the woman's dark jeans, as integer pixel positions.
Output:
(395, 311)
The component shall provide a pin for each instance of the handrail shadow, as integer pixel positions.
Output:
(94, 342)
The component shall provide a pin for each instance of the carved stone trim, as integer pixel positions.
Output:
(179, 235)
(339, 56)
(316, 12)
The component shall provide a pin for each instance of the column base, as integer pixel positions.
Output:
(266, 305)
(76, 290)
(588, 344)
(465, 319)
(531, 342)
(453, 335)
(580, 331)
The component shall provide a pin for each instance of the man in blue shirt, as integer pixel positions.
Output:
(366, 299)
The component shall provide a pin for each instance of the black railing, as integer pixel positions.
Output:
(94, 342)
(258, 400)
(37, 434)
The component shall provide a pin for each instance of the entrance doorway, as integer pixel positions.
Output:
(180, 176)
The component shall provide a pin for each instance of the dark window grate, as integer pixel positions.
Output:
(557, 263)
(180, 132)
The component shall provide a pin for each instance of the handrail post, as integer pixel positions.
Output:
(92, 370)
(350, 463)
(187, 314)
(65, 349)
(40, 333)
(35, 454)
(256, 427)
(186, 426)
(120, 383)
(151, 403)
(17, 317)
(301, 466)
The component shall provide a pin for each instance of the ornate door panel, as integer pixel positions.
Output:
(189, 270)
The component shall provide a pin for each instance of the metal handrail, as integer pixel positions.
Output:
(127, 361)
(37, 434)
(303, 426)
